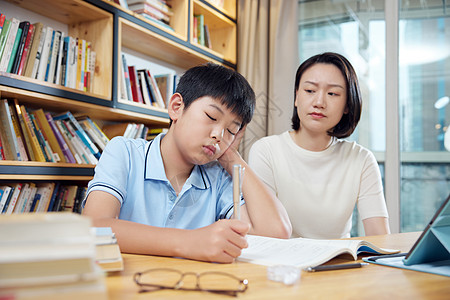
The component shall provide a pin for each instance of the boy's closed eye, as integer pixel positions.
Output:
(231, 131)
(213, 119)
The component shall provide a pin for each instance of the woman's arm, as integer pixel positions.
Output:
(371, 202)
(262, 209)
(376, 226)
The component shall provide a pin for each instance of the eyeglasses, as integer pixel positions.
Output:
(166, 278)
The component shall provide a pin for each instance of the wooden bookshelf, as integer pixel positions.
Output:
(110, 27)
(222, 28)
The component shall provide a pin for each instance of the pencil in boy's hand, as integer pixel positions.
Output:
(237, 191)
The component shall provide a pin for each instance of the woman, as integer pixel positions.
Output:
(318, 176)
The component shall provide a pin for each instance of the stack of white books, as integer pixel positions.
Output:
(108, 255)
(49, 256)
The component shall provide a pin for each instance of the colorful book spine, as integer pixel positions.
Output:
(35, 40)
(154, 86)
(19, 133)
(4, 36)
(50, 56)
(23, 126)
(8, 131)
(8, 201)
(48, 154)
(68, 139)
(37, 58)
(49, 134)
(127, 78)
(59, 58)
(4, 197)
(14, 198)
(14, 50)
(26, 50)
(44, 54)
(10, 39)
(25, 25)
(39, 155)
(135, 90)
(80, 132)
(62, 143)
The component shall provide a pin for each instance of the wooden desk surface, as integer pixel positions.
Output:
(369, 282)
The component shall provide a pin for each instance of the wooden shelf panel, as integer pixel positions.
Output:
(152, 44)
(64, 11)
(178, 21)
(229, 7)
(223, 31)
(22, 81)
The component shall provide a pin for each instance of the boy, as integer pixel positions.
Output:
(173, 196)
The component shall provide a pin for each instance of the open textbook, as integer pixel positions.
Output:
(303, 252)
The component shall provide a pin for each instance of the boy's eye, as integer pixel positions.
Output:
(210, 117)
(232, 133)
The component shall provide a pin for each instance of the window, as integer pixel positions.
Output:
(357, 29)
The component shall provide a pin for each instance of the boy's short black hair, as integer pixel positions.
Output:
(221, 83)
(350, 120)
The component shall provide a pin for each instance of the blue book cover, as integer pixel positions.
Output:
(5, 206)
(53, 198)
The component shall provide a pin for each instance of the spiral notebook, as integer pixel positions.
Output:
(431, 252)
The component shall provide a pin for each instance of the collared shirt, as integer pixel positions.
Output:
(132, 170)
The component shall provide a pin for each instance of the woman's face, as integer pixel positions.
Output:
(321, 98)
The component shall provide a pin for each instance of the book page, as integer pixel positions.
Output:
(299, 252)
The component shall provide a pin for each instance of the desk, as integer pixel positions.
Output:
(369, 282)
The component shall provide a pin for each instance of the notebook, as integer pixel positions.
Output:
(431, 252)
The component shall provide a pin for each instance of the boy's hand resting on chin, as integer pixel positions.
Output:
(231, 154)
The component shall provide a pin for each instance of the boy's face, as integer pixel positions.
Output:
(204, 130)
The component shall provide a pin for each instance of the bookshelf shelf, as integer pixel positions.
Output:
(109, 28)
(32, 170)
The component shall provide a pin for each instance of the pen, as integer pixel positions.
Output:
(335, 267)
(237, 191)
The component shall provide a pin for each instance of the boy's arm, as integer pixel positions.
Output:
(218, 242)
(262, 209)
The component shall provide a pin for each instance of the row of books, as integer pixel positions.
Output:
(49, 256)
(132, 131)
(43, 53)
(142, 86)
(35, 135)
(159, 11)
(30, 197)
(201, 31)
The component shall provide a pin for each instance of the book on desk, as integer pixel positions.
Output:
(108, 255)
(303, 252)
(48, 256)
